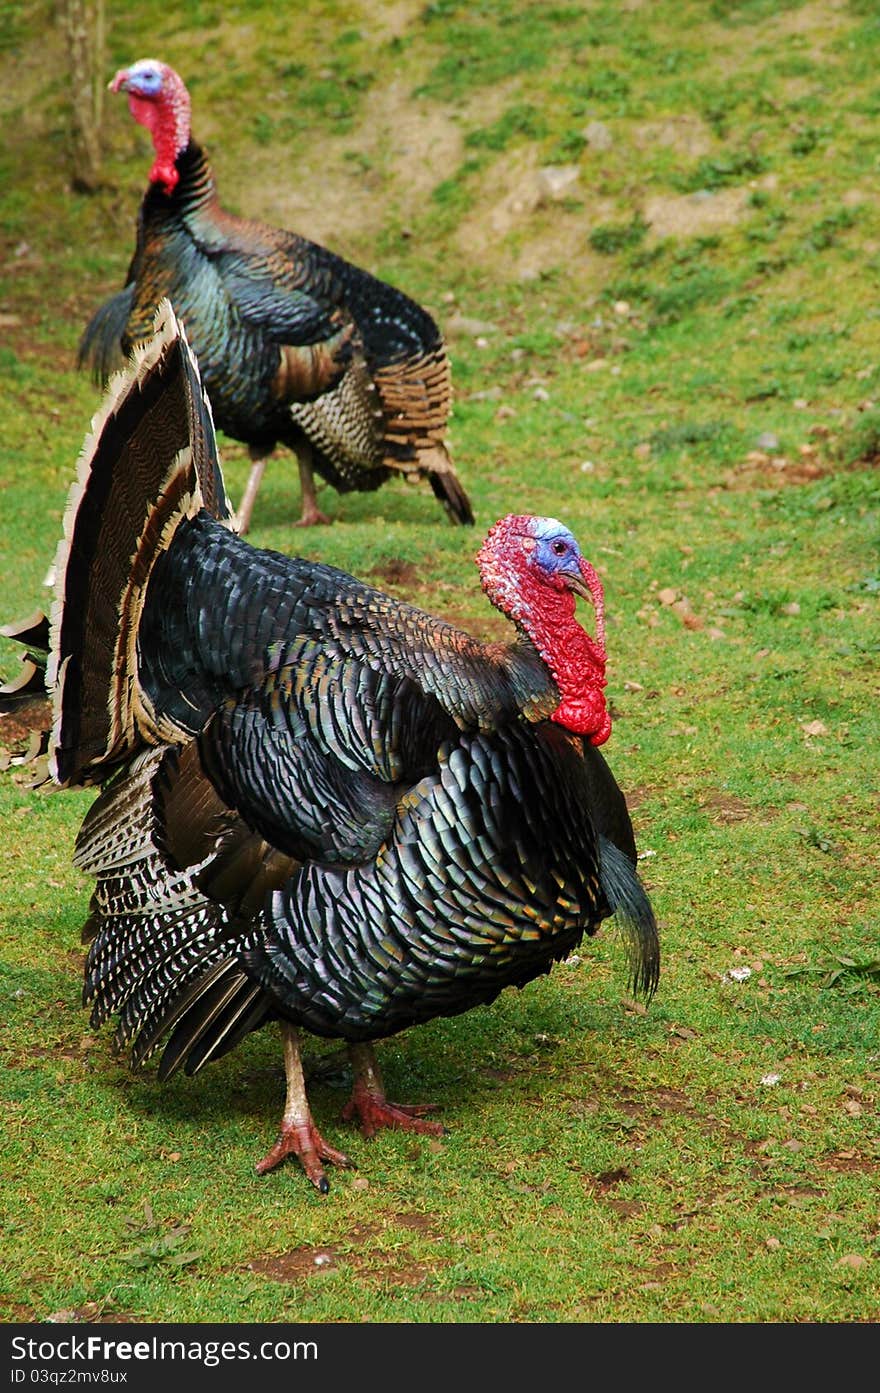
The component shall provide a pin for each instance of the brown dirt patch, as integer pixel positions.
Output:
(92, 1311)
(848, 1162)
(603, 1187)
(721, 807)
(14, 1313)
(636, 796)
(760, 470)
(16, 726)
(395, 572)
(371, 1260)
(688, 135)
(695, 214)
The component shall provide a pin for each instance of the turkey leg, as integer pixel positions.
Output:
(311, 513)
(372, 1109)
(299, 1136)
(254, 479)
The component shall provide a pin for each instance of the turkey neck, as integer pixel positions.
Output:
(168, 123)
(575, 660)
(546, 618)
(194, 186)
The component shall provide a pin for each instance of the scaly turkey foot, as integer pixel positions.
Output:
(313, 517)
(299, 1136)
(373, 1110)
(373, 1113)
(304, 1141)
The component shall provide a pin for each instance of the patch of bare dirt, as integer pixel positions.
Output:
(405, 147)
(762, 470)
(636, 796)
(721, 807)
(372, 1261)
(603, 1186)
(820, 17)
(688, 135)
(17, 725)
(396, 573)
(848, 1162)
(91, 1312)
(521, 224)
(694, 214)
(14, 1313)
(24, 742)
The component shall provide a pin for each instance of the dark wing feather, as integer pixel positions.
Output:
(100, 347)
(284, 311)
(491, 872)
(316, 757)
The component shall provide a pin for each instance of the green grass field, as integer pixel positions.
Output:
(673, 345)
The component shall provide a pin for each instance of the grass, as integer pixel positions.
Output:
(702, 408)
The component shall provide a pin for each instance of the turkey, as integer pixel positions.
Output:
(295, 344)
(318, 805)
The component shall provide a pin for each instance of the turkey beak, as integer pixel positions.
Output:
(590, 587)
(580, 587)
(118, 83)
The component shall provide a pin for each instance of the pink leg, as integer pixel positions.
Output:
(372, 1109)
(299, 1136)
(311, 513)
(258, 467)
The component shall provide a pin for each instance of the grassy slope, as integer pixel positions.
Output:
(602, 1164)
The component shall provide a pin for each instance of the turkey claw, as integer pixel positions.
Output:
(307, 1144)
(313, 517)
(373, 1113)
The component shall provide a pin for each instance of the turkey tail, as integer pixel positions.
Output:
(630, 905)
(33, 634)
(149, 462)
(100, 346)
(415, 391)
(161, 953)
(447, 487)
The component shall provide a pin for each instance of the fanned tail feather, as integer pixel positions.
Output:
(33, 635)
(149, 462)
(161, 953)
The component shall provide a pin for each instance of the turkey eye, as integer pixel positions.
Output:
(559, 548)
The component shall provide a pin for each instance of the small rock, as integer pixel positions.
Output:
(555, 181)
(598, 136)
(814, 728)
(461, 324)
(738, 974)
(853, 1260)
(767, 441)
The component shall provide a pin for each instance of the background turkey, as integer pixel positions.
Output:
(321, 805)
(295, 344)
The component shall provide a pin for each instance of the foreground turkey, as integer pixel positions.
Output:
(295, 345)
(320, 805)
